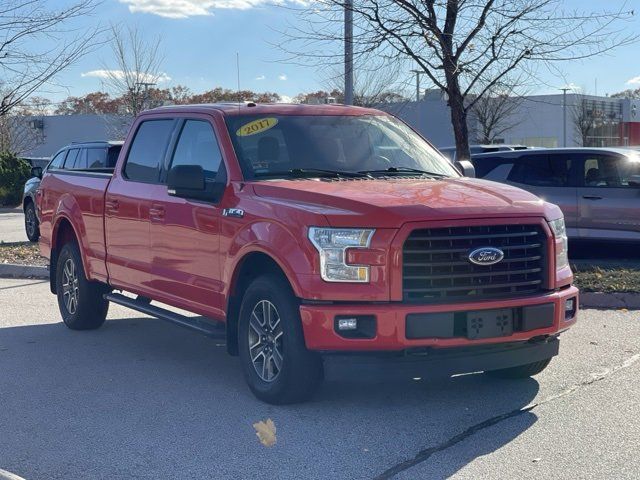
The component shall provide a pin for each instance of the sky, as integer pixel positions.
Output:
(200, 39)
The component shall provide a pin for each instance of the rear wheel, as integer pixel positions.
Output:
(522, 371)
(277, 366)
(31, 225)
(80, 301)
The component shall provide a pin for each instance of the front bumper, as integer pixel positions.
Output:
(318, 323)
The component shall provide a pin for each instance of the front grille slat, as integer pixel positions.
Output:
(436, 266)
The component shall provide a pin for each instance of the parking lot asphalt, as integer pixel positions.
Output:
(12, 226)
(140, 398)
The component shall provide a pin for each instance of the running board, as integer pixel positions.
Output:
(208, 327)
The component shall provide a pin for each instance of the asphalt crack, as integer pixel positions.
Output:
(424, 455)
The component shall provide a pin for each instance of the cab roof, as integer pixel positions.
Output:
(250, 108)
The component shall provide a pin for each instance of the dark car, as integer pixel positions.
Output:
(450, 152)
(598, 189)
(77, 156)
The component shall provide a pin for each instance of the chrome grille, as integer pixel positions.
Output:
(436, 266)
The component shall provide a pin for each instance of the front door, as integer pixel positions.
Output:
(185, 234)
(609, 197)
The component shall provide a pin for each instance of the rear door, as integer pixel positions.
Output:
(609, 196)
(185, 234)
(549, 177)
(128, 202)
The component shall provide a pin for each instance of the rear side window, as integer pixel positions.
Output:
(147, 151)
(70, 162)
(58, 160)
(541, 171)
(96, 157)
(198, 146)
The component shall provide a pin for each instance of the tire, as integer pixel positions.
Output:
(31, 225)
(80, 301)
(522, 371)
(292, 373)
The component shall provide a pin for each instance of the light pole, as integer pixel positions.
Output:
(418, 73)
(564, 116)
(348, 52)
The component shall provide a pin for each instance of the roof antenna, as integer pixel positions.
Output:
(238, 73)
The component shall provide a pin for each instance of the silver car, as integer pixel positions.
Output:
(598, 189)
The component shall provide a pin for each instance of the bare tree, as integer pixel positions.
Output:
(20, 134)
(464, 47)
(36, 44)
(495, 113)
(137, 67)
(583, 120)
(374, 82)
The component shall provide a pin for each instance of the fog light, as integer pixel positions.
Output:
(570, 308)
(347, 324)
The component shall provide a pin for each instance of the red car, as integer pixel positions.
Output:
(308, 231)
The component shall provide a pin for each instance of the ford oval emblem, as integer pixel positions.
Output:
(486, 256)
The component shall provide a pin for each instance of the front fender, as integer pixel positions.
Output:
(275, 241)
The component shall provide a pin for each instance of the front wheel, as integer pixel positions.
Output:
(31, 225)
(522, 371)
(80, 301)
(276, 363)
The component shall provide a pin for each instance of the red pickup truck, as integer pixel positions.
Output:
(301, 232)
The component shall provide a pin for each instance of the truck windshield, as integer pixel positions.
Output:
(284, 146)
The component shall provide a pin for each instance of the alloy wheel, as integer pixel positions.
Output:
(265, 340)
(30, 220)
(70, 286)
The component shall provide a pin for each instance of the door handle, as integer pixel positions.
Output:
(111, 206)
(592, 197)
(156, 212)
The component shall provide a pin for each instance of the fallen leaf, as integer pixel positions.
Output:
(536, 460)
(266, 432)
(593, 343)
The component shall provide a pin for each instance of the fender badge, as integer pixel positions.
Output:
(233, 212)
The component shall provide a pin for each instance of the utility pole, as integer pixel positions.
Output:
(564, 116)
(348, 52)
(418, 73)
(146, 86)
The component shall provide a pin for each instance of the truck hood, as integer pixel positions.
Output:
(389, 203)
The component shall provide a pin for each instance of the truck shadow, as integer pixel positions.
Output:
(140, 398)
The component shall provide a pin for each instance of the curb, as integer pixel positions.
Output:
(610, 300)
(8, 270)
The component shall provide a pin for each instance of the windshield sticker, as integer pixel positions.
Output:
(257, 126)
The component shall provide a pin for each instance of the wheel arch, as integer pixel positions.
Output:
(250, 266)
(63, 232)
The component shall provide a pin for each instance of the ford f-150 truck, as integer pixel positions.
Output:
(303, 231)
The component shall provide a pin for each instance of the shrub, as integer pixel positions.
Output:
(13, 173)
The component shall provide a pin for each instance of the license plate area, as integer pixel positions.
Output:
(489, 323)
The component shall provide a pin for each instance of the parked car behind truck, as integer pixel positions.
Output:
(85, 156)
(598, 189)
(306, 231)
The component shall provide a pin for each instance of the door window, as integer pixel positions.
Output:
(148, 150)
(611, 172)
(541, 171)
(198, 146)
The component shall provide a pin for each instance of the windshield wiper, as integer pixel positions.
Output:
(312, 172)
(401, 170)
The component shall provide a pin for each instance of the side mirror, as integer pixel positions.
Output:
(189, 181)
(36, 172)
(466, 168)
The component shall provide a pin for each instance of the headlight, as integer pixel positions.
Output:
(562, 243)
(332, 244)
